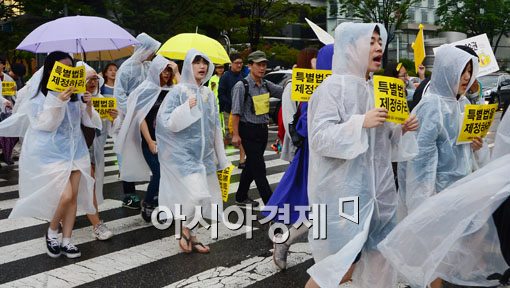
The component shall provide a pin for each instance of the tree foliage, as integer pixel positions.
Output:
(475, 17)
(390, 13)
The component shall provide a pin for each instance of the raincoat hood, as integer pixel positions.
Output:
(352, 47)
(89, 71)
(449, 63)
(158, 65)
(147, 47)
(187, 68)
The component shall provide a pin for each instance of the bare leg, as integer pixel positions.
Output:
(94, 218)
(70, 211)
(438, 283)
(64, 202)
(311, 284)
(348, 276)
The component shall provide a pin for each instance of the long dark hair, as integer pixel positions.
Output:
(48, 66)
(106, 70)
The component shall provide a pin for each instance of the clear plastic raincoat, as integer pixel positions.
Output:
(54, 145)
(289, 108)
(347, 160)
(99, 140)
(190, 144)
(134, 70)
(129, 140)
(452, 234)
(441, 161)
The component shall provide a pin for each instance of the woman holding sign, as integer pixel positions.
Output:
(351, 149)
(137, 136)
(96, 150)
(190, 147)
(54, 172)
(441, 160)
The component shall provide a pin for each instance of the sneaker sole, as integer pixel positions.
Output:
(53, 255)
(131, 207)
(71, 256)
(101, 239)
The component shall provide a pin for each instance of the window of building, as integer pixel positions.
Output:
(424, 16)
(411, 12)
(431, 3)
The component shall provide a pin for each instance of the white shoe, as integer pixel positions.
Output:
(101, 232)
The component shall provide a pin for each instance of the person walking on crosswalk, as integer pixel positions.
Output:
(250, 117)
(130, 74)
(191, 150)
(54, 174)
(96, 150)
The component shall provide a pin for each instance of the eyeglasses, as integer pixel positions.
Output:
(93, 79)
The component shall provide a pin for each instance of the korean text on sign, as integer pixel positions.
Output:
(477, 121)
(224, 179)
(104, 105)
(63, 77)
(305, 81)
(8, 88)
(390, 94)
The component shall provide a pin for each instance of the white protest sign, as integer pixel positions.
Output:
(483, 49)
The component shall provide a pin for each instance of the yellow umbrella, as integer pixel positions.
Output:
(107, 55)
(177, 47)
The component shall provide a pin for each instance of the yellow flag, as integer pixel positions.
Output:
(419, 48)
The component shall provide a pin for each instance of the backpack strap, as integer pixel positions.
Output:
(247, 93)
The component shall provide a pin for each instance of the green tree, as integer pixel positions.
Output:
(475, 17)
(390, 13)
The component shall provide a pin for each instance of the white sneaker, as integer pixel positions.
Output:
(101, 232)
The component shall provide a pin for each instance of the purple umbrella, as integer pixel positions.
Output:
(77, 34)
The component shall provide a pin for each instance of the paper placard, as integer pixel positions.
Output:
(482, 46)
(103, 105)
(63, 76)
(8, 88)
(477, 121)
(224, 179)
(261, 104)
(390, 94)
(305, 81)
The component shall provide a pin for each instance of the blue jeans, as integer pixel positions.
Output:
(153, 162)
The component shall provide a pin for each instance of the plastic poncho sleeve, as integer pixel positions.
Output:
(502, 141)
(332, 136)
(482, 156)
(403, 147)
(421, 171)
(289, 108)
(121, 93)
(50, 115)
(92, 121)
(177, 115)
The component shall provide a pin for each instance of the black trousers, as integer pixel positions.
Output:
(254, 140)
(502, 220)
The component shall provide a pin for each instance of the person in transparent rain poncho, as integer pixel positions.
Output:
(129, 75)
(54, 169)
(190, 147)
(441, 160)
(136, 141)
(96, 150)
(462, 234)
(351, 150)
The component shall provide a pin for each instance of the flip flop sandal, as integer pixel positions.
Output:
(188, 241)
(199, 251)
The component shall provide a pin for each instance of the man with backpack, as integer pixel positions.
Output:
(250, 117)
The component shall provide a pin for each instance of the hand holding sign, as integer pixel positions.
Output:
(87, 97)
(477, 144)
(192, 102)
(66, 94)
(375, 118)
(411, 124)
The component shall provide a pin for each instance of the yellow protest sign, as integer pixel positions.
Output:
(477, 121)
(63, 76)
(224, 179)
(103, 105)
(419, 48)
(8, 88)
(390, 94)
(261, 103)
(305, 81)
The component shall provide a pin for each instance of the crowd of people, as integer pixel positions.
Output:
(431, 209)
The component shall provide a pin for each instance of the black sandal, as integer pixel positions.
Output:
(194, 249)
(188, 242)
